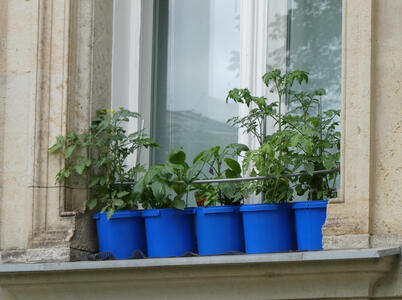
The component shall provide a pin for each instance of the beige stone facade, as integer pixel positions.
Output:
(55, 61)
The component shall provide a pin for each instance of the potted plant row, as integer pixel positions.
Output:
(101, 152)
(303, 140)
(218, 220)
(168, 219)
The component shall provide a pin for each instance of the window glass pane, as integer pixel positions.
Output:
(315, 45)
(197, 58)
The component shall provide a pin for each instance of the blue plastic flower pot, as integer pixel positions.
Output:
(310, 217)
(123, 233)
(268, 227)
(219, 230)
(170, 231)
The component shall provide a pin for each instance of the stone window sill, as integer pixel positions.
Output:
(316, 274)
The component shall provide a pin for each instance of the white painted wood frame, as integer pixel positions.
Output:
(133, 69)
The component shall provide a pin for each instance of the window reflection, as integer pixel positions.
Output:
(315, 45)
(197, 63)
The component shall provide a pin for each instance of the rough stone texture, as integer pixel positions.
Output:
(49, 77)
(3, 83)
(36, 255)
(55, 72)
(350, 214)
(18, 105)
(348, 241)
(375, 167)
(102, 54)
(387, 206)
(369, 209)
(269, 276)
(326, 257)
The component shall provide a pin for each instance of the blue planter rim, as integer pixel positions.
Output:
(158, 212)
(120, 214)
(310, 204)
(264, 207)
(217, 209)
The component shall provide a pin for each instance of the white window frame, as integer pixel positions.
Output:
(138, 15)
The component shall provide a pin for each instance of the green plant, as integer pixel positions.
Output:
(159, 189)
(301, 141)
(221, 164)
(316, 140)
(109, 145)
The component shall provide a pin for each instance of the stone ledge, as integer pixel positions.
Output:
(318, 256)
(35, 255)
(336, 274)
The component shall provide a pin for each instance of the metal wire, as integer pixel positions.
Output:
(201, 181)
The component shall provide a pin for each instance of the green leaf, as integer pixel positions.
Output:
(94, 182)
(55, 148)
(309, 168)
(122, 194)
(308, 146)
(79, 169)
(103, 209)
(118, 202)
(110, 213)
(294, 141)
(199, 156)
(102, 180)
(139, 187)
(267, 148)
(60, 139)
(328, 163)
(238, 148)
(159, 190)
(179, 203)
(66, 173)
(69, 151)
(177, 157)
(233, 164)
(229, 173)
(193, 171)
(92, 203)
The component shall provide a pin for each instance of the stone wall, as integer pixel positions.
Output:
(55, 61)
(51, 81)
(369, 208)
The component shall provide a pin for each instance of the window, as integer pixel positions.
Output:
(196, 63)
(184, 55)
(314, 44)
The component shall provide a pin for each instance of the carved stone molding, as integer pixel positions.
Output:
(50, 114)
(74, 66)
(350, 214)
(51, 81)
(344, 274)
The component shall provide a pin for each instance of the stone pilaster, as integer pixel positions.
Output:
(50, 83)
(348, 217)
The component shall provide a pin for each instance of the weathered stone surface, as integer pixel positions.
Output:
(350, 214)
(320, 275)
(387, 204)
(55, 72)
(37, 255)
(49, 76)
(369, 214)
